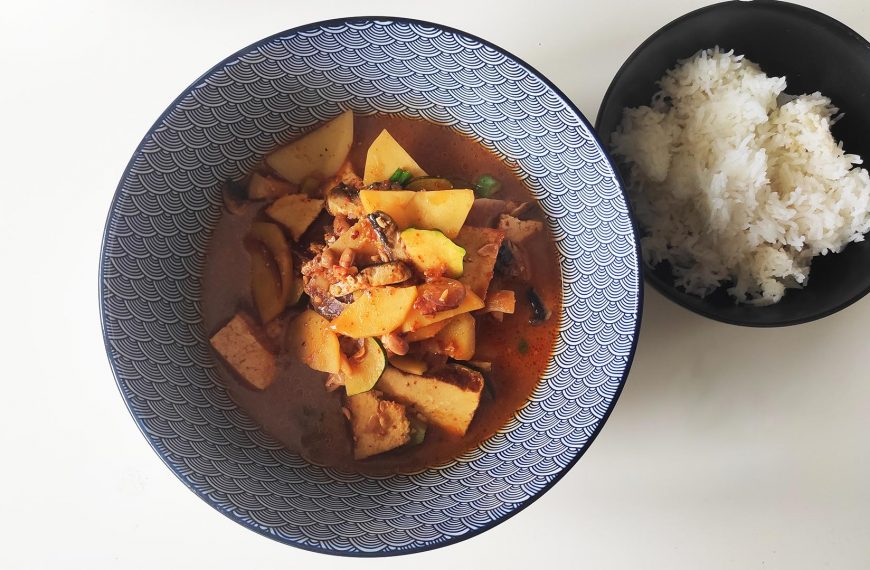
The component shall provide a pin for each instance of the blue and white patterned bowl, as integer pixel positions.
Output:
(169, 201)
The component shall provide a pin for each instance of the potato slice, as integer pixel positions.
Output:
(273, 238)
(384, 156)
(456, 340)
(262, 187)
(362, 239)
(309, 340)
(398, 204)
(425, 332)
(443, 210)
(430, 249)
(408, 364)
(295, 212)
(417, 320)
(378, 311)
(265, 284)
(361, 375)
(318, 154)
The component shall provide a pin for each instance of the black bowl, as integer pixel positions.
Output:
(815, 53)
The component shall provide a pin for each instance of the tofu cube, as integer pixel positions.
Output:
(239, 344)
(518, 230)
(447, 397)
(378, 425)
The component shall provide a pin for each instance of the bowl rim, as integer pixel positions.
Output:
(668, 290)
(578, 454)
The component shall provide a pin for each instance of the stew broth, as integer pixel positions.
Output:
(297, 410)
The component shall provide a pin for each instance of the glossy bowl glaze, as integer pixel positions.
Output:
(169, 200)
(815, 53)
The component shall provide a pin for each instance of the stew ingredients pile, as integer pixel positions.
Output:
(378, 281)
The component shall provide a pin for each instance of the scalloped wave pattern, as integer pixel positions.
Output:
(169, 201)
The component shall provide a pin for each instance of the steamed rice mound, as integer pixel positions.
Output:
(734, 182)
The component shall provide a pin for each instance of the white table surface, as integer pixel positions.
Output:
(729, 448)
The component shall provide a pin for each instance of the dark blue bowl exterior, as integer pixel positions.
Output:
(815, 53)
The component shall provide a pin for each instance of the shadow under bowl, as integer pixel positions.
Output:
(815, 53)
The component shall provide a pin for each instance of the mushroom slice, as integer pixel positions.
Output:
(379, 275)
(389, 241)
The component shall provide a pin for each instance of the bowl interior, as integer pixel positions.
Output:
(815, 53)
(167, 205)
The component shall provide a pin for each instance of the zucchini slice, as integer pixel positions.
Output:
(431, 249)
(361, 375)
(417, 432)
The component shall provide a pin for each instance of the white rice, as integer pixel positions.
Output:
(732, 184)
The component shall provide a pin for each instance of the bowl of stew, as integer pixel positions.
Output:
(370, 286)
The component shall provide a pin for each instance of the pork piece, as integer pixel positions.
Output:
(242, 347)
(523, 210)
(481, 251)
(517, 230)
(500, 302)
(340, 224)
(484, 212)
(318, 275)
(334, 382)
(378, 425)
(379, 275)
(446, 397)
